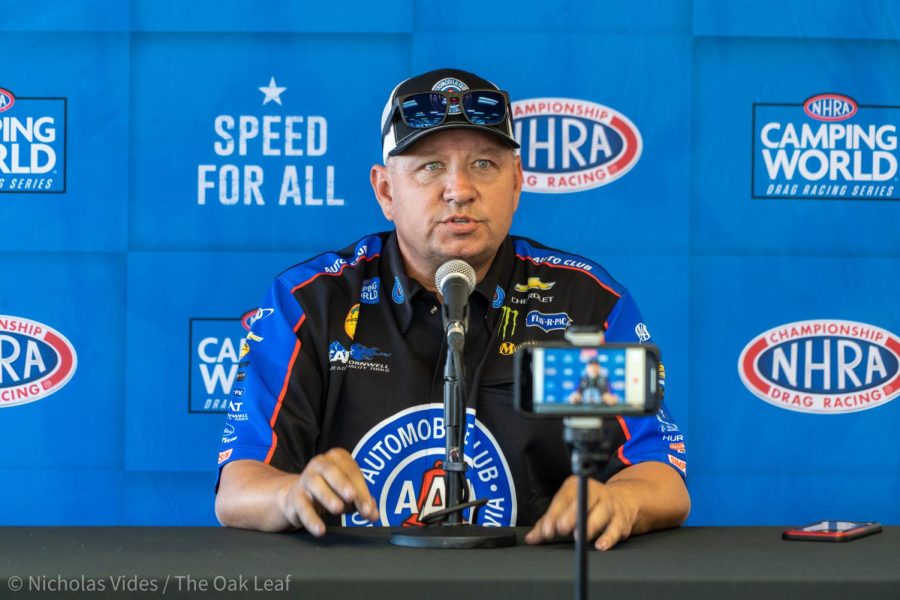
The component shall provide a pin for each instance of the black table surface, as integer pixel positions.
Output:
(691, 562)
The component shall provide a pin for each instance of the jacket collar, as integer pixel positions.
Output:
(404, 288)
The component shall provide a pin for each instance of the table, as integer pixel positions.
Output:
(692, 562)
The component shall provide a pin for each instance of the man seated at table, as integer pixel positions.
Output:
(337, 416)
(593, 387)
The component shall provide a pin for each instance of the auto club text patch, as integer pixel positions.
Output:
(402, 457)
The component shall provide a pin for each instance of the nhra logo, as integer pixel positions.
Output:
(216, 349)
(830, 107)
(32, 144)
(402, 457)
(828, 147)
(35, 361)
(6, 100)
(252, 316)
(823, 366)
(572, 145)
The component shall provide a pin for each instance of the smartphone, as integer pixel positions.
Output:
(832, 531)
(558, 379)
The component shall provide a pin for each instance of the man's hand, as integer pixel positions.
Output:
(608, 512)
(638, 499)
(331, 482)
(254, 495)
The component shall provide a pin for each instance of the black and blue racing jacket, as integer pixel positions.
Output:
(348, 351)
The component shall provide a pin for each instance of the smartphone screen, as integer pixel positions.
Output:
(589, 380)
(833, 526)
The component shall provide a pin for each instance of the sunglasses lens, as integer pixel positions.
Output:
(421, 111)
(484, 108)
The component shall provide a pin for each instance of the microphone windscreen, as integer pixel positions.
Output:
(455, 268)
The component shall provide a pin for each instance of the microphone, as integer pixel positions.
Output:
(455, 280)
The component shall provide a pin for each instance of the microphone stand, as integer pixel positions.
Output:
(445, 528)
(584, 436)
(455, 423)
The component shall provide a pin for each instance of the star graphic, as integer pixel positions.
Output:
(272, 92)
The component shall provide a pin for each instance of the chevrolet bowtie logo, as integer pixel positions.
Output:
(534, 283)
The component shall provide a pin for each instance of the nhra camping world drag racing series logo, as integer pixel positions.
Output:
(828, 147)
(401, 459)
(572, 145)
(32, 144)
(216, 351)
(35, 361)
(823, 366)
(268, 159)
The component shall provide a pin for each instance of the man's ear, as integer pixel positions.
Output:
(381, 185)
(520, 178)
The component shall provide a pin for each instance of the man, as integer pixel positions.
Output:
(593, 387)
(337, 414)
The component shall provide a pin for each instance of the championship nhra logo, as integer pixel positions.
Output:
(35, 361)
(216, 350)
(823, 366)
(828, 147)
(401, 459)
(32, 144)
(572, 145)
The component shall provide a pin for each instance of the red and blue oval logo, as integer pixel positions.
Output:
(570, 145)
(247, 318)
(35, 361)
(252, 316)
(830, 107)
(823, 366)
(6, 100)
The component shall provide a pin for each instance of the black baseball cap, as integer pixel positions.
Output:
(443, 99)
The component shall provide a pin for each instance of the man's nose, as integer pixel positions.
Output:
(459, 186)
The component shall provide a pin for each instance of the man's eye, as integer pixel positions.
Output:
(482, 163)
(432, 166)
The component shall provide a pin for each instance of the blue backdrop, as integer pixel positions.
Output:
(161, 161)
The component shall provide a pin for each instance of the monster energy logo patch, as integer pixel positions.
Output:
(509, 316)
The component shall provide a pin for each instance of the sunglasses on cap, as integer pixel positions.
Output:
(430, 109)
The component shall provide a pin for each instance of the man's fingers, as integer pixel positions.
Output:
(343, 478)
(598, 519)
(357, 492)
(333, 474)
(561, 517)
(535, 536)
(567, 519)
(306, 512)
(322, 492)
(546, 527)
(613, 534)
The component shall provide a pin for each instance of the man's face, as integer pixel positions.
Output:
(450, 195)
(593, 370)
